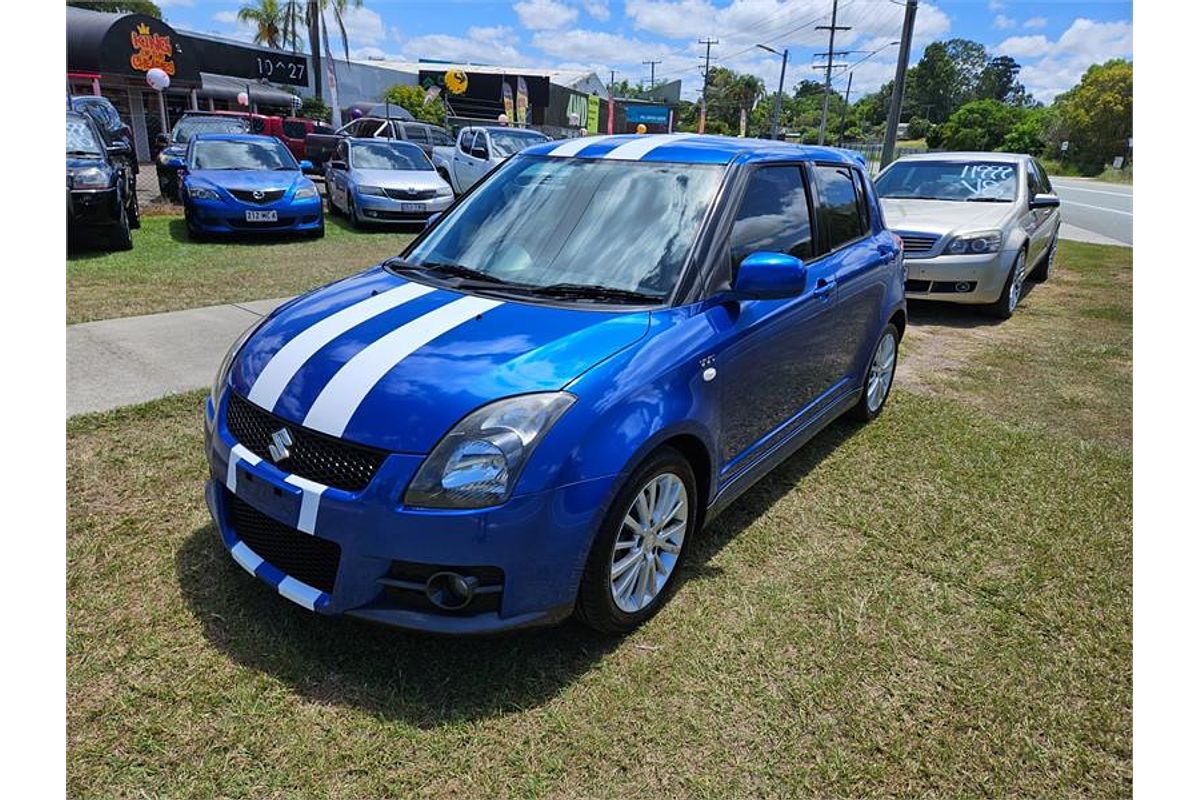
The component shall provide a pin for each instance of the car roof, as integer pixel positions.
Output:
(389, 142)
(233, 137)
(687, 148)
(965, 155)
(504, 129)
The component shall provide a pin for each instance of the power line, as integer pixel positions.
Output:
(652, 64)
(708, 42)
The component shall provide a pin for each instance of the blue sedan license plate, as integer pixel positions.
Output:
(262, 216)
(412, 208)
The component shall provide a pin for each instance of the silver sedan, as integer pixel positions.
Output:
(372, 180)
(975, 226)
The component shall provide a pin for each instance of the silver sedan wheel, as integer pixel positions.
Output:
(1018, 282)
(883, 367)
(649, 542)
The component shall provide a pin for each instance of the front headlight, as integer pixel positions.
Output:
(222, 376)
(306, 192)
(445, 191)
(170, 159)
(975, 243)
(375, 190)
(90, 178)
(478, 462)
(203, 193)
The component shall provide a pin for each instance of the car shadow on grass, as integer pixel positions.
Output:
(426, 680)
(950, 315)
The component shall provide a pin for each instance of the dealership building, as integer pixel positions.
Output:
(109, 54)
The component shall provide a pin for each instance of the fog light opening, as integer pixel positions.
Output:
(451, 591)
(962, 286)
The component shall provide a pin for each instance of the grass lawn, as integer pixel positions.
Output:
(165, 271)
(935, 604)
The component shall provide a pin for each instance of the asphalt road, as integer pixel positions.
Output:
(1102, 209)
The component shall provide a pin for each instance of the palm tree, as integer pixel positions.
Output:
(748, 89)
(310, 12)
(271, 21)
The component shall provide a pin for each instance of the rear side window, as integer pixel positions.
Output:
(466, 141)
(294, 129)
(841, 208)
(416, 133)
(439, 137)
(773, 216)
(257, 124)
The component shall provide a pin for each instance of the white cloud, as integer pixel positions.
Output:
(226, 17)
(995, 5)
(481, 45)
(1035, 22)
(541, 15)
(1059, 64)
(1003, 23)
(364, 27)
(597, 8)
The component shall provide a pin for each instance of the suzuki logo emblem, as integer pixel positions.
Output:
(258, 195)
(281, 440)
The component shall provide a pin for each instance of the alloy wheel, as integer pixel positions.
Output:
(648, 545)
(883, 368)
(1018, 282)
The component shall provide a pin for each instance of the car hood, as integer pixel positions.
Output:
(943, 216)
(249, 180)
(394, 364)
(83, 162)
(399, 179)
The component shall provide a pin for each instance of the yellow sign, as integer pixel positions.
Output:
(456, 81)
(150, 50)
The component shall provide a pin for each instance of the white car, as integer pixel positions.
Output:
(974, 225)
(478, 150)
(379, 180)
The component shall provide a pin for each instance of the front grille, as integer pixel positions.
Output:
(917, 243)
(415, 194)
(247, 195)
(316, 456)
(306, 558)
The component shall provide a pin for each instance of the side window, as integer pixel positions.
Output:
(838, 209)
(1031, 178)
(773, 216)
(294, 129)
(341, 152)
(466, 140)
(864, 200)
(1043, 178)
(384, 131)
(416, 134)
(439, 137)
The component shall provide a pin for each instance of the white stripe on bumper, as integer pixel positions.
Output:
(284, 365)
(310, 501)
(341, 397)
(299, 592)
(249, 559)
(238, 453)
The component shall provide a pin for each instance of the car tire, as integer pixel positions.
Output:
(120, 237)
(319, 233)
(135, 211)
(193, 233)
(1010, 296)
(597, 605)
(352, 212)
(881, 374)
(1041, 273)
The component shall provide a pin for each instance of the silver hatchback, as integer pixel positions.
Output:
(975, 226)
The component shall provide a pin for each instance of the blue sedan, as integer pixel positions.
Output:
(240, 183)
(533, 410)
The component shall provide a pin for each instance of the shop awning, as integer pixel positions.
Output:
(126, 45)
(226, 87)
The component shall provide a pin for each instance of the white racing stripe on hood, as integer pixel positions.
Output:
(284, 365)
(341, 397)
(573, 146)
(632, 151)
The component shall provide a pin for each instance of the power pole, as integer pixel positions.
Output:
(845, 106)
(833, 28)
(779, 94)
(893, 120)
(652, 64)
(708, 42)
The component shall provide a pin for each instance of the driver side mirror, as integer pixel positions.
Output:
(306, 165)
(1044, 201)
(479, 152)
(763, 275)
(339, 164)
(118, 149)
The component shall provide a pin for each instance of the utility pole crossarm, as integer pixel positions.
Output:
(833, 28)
(708, 43)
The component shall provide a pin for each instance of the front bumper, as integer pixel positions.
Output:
(376, 208)
(975, 279)
(536, 544)
(221, 216)
(93, 208)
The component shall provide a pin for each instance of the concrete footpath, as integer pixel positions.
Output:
(118, 362)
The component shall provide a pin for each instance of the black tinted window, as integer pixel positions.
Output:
(773, 216)
(294, 129)
(416, 133)
(439, 137)
(838, 208)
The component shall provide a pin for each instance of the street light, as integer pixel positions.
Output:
(779, 94)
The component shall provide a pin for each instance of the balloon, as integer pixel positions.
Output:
(158, 79)
(296, 102)
(355, 113)
(502, 119)
(243, 99)
(641, 128)
(583, 131)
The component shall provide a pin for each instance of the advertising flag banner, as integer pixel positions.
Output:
(332, 79)
(522, 102)
(593, 114)
(506, 93)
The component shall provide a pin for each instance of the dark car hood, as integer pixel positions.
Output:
(398, 375)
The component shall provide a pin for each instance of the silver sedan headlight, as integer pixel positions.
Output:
(372, 190)
(974, 244)
(478, 462)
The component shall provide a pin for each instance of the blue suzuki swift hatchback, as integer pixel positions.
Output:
(533, 410)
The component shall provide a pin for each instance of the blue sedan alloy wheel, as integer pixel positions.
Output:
(634, 560)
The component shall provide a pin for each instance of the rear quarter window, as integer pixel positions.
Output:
(840, 204)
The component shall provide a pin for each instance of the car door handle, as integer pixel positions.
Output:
(824, 288)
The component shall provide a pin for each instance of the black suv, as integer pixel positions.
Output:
(97, 184)
(114, 132)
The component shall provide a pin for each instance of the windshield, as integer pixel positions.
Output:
(547, 221)
(81, 140)
(950, 180)
(388, 155)
(505, 143)
(187, 127)
(247, 154)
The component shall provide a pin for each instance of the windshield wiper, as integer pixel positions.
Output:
(594, 292)
(987, 200)
(445, 268)
(83, 153)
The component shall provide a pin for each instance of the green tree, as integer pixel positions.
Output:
(1029, 134)
(412, 98)
(1095, 117)
(315, 108)
(947, 76)
(120, 6)
(272, 26)
(979, 125)
(998, 81)
(309, 13)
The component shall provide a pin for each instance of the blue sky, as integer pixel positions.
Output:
(1054, 40)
